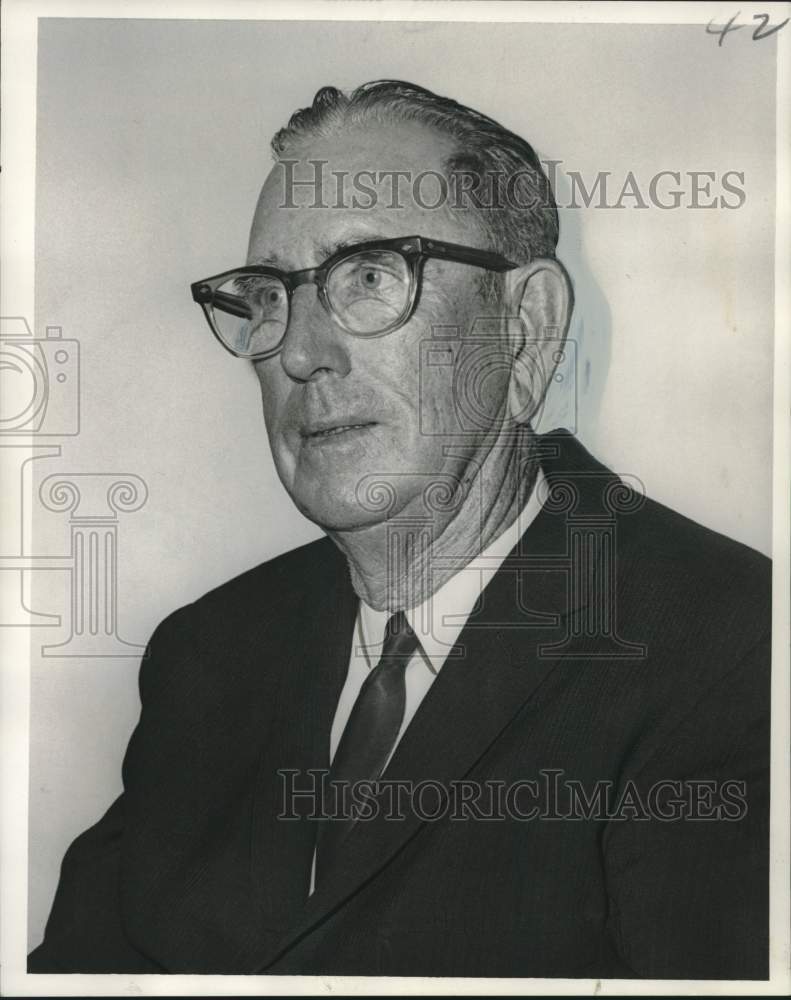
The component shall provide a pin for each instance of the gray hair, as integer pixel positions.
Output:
(520, 217)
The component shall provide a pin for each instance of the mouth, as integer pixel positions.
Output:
(340, 431)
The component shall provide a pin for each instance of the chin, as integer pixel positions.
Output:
(333, 514)
(347, 503)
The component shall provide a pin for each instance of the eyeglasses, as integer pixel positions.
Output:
(369, 289)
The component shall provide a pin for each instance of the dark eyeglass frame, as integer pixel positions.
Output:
(414, 249)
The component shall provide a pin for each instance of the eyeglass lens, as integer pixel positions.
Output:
(368, 293)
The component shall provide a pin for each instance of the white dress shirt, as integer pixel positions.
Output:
(437, 623)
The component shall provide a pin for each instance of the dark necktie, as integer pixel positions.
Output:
(368, 738)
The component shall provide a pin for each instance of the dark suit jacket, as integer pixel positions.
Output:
(620, 643)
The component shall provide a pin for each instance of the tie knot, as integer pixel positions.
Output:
(399, 640)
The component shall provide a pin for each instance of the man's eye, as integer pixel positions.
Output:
(272, 296)
(371, 278)
(265, 295)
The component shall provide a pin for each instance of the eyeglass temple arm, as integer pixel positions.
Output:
(468, 255)
(233, 304)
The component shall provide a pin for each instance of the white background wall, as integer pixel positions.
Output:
(152, 144)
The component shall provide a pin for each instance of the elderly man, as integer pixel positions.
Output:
(511, 717)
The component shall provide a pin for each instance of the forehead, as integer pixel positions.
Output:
(364, 182)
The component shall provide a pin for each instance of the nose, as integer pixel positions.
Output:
(314, 347)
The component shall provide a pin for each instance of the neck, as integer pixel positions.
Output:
(401, 562)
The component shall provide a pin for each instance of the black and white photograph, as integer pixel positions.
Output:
(394, 428)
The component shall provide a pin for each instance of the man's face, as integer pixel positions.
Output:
(340, 410)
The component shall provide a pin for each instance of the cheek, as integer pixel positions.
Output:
(437, 391)
(274, 398)
(412, 386)
(449, 360)
(423, 365)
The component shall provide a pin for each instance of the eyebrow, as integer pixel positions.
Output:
(324, 248)
(266, 260)
(329, 247)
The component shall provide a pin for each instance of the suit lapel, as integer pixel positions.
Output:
(299, 742)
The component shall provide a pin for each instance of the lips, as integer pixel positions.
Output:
(330, 429)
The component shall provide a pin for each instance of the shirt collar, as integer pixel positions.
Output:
(438, 621)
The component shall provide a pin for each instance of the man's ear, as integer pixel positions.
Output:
(540, 294)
